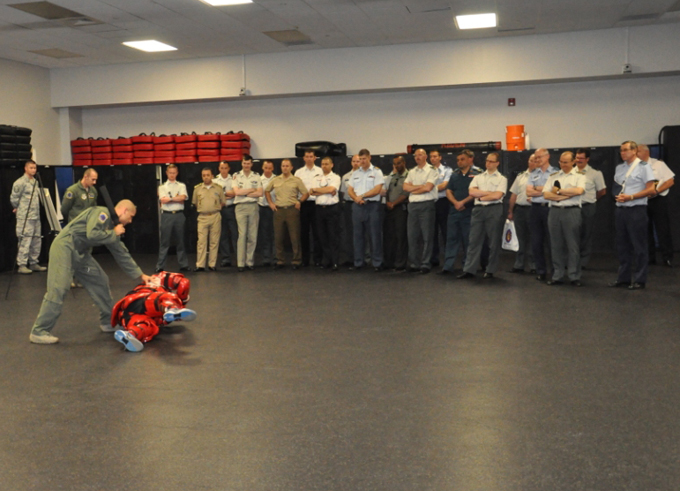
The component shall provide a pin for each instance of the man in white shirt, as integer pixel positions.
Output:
(563, 190)
(229, 230)
(325, 190)
(442, 205)
(595, 190)
(420, 184)
(265, 229)
(308, 174)
(247, 191)
(518, 211)
(347, 237)
(488, 189)
(172, 195)
(657, 208)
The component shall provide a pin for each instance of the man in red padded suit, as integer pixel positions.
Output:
(148, 307)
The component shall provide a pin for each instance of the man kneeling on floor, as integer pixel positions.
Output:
(148, 307)
(70, 256)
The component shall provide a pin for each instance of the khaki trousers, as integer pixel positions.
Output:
(208, 226)
(287, 218)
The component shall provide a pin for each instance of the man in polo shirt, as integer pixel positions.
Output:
(328, 213)
(364, 189)
(308, 174)
(172, 195)
(420, 183)
(563, 190)
(488, 190)
(595, 190)
(285, 193)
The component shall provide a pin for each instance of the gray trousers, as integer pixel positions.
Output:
(29, 243)
(247, 217)
(229, 233)
(524, 254)
(587, 226)
(564, 225)
(172, 230)
(486, 223)
(65, 264)
(420, 229)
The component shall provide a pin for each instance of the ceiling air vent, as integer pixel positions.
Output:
(291, 37)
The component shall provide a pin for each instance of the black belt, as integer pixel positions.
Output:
(540, 204)
(229, 206)
(587, 204)
(172, 212)
(327, 206)
(565, 207)
(488, 206)
(284, 207)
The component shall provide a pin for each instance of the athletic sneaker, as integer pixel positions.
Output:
(130, 342)
(44, 338)
(172, 315)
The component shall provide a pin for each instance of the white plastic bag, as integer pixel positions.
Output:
(510, 241)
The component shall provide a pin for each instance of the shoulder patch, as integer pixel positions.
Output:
(582, 172)
(103, 217)
(197, 185)
(69, 195)
(554, 173)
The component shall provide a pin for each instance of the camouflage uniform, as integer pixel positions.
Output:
(28, 234)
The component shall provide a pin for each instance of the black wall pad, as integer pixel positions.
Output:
(669, 138)
(8, 237)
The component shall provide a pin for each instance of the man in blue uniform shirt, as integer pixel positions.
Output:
(633, 182)
(538, 215)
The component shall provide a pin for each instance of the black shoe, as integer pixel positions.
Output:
(618, 284)
(652, 262)
(279, 266)
(532, 271)
(399, 270)
(266, 265)
(158, 270)
(465, 276)
(356, 268)
(517, 270)
(488, 276)
(424, 270)
(434, 263)
(637, 286)
(296, 266)
(200, 270)
(444, 272)
(225, 264)
(411, 269)
(212, 269)
(377, 270)
(318, 265)
(576, 283)
(554, 282)
(668, 263)
(183, 270)
(251, 268)
(541, 277)
(335, 268)
(241, 270)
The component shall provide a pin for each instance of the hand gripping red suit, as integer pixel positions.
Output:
(148, 307)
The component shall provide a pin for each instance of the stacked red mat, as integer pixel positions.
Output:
(163, 149)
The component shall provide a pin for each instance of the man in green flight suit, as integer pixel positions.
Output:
(70, 255)
(80, 196)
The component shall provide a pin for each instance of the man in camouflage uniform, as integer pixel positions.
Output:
(25, 201)
(80, 196)
(70, 255)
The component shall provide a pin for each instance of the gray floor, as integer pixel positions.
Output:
(312, 380)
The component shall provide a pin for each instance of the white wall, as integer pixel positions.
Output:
(596, 113)
(537, 58)
(26, 102)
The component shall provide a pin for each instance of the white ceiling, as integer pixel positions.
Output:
(199, 30)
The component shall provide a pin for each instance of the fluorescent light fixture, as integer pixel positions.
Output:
(476, 21)
(150, 46)
(222, 3)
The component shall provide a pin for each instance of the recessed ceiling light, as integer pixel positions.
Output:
(150, 46)
(221, 3)
(476, 21)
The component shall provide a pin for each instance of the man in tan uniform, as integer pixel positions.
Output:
(289, 192)
(208, 199)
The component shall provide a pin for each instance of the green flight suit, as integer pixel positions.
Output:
(70, 256)
(76, 200)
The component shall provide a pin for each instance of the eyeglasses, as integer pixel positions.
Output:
(492, 161)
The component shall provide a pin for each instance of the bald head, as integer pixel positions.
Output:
(643, 152)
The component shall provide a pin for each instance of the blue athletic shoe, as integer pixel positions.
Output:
(130, 342)
(172, 315)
